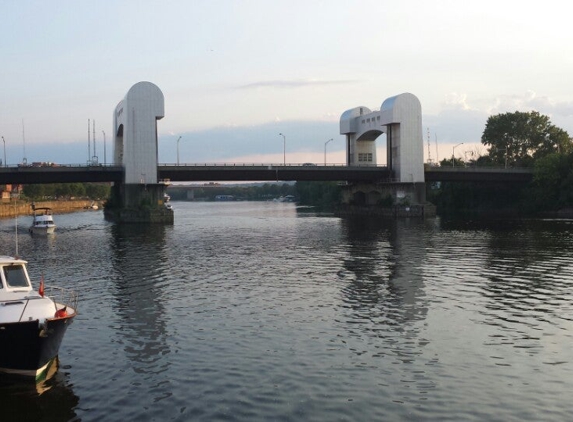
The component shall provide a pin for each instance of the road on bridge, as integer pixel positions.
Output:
(254, 172)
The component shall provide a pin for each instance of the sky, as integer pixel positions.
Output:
(235, 74)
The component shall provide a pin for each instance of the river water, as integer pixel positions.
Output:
(268, 312)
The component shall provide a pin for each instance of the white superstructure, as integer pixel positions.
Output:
(400, 117)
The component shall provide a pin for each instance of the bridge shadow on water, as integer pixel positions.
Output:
(140, 267)
(384, 293)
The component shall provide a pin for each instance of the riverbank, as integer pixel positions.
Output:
(11, 209)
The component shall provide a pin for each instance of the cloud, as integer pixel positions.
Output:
(295, 83)
(462, 118)
(227, 143)
(529, 101)
(456, 101)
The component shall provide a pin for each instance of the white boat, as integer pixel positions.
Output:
(92, 206)
(32, 322)
(42, 222)
(288, 198)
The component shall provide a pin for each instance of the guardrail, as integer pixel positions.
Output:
(306, 165)
(27, 166)
(479, 169)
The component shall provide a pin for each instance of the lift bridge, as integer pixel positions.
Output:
(138, 178)
(255, 172)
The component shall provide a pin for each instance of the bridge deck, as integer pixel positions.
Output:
(273, 172)
(257, 172)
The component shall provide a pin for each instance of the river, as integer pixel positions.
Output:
(246, 311)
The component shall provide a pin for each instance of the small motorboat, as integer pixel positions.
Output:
(32, 322)
(92, 206)
(43, 221)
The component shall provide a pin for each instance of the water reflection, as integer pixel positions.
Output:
(527, 273)
(52, 399)
(386, 303)
(385, 260)
(141, 273)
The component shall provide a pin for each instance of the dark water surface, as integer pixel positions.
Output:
(263, 312)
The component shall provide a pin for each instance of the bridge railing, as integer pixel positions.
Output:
(476, 169)
(46, 166)
(268, 165)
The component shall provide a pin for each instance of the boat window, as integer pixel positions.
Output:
(15, 276)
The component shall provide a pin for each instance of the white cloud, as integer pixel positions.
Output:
(295, 83)
(456, 101)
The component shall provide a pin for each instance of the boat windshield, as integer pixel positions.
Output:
(15, 276)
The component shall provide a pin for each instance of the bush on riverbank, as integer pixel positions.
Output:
(50, 191)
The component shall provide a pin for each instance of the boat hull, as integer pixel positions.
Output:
(43, 231)
(27, 348)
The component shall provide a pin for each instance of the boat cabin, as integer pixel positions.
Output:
(13, 276)
(15, 291)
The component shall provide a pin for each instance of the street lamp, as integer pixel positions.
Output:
(178, 139)
(326, 143)
(284, 148)
(453, 152)
(104, 154)
(4, 151)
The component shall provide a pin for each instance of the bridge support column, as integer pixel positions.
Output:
(386, 200)
(400, 117)
(139, 198)
(138, 204)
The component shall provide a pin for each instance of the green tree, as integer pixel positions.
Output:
(518, 139)
(97, 190)
(552, 186)
(457, 162)
(321, 194)
(35, 191)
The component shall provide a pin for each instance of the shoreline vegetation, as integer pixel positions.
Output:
(24, 207)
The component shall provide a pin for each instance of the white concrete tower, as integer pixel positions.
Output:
(135, 125)
(400, 117)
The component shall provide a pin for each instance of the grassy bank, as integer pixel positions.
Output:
(10, 209)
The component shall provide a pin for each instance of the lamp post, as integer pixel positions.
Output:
(453, 152)
(178, 139)
(4, 151)
(284, 148)
(104, 154)
(326, 143)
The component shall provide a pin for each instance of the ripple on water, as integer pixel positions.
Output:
(255, 312)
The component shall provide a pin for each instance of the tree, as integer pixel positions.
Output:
(518, 139)
(457, 162)
(321, 194)
(552, 186)
(34, 191)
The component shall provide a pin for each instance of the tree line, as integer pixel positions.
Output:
(519, 139)
(266, 191)
(51, 191)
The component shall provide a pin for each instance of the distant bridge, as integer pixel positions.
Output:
(255, 172)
